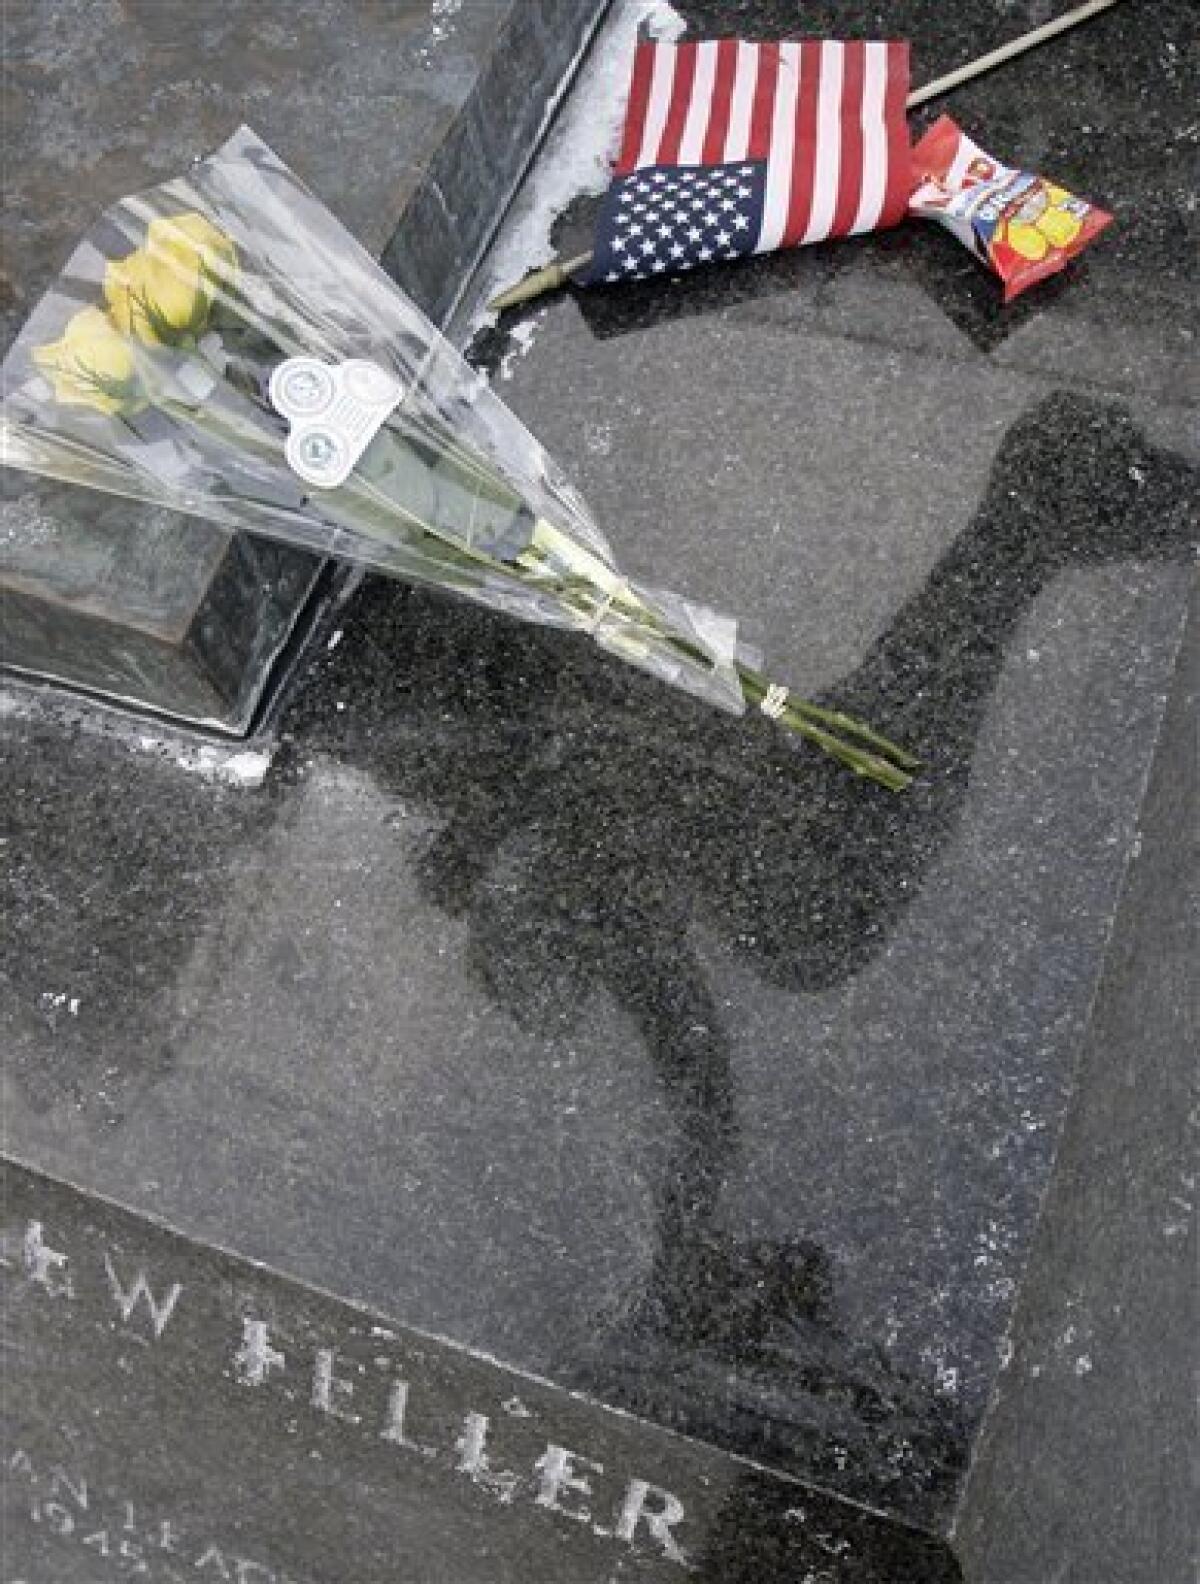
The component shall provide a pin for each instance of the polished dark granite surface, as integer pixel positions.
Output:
(1081, 1473)
(552, 1013)
(104, 99)
(175, 1413)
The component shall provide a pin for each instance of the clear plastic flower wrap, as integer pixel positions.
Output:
(222, 345)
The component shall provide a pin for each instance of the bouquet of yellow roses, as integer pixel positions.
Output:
(221, 345)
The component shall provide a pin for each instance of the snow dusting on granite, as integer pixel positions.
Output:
(577, 158)
(233, 764)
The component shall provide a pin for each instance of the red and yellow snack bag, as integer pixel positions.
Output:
(1021, 225)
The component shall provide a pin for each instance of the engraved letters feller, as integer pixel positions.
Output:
(366, 1383)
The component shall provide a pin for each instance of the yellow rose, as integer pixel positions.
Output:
(92, 365)
(156, 297)
(164, 291)
(194, 241)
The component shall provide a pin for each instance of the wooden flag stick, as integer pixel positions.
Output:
(552, 276)
(1006, 52)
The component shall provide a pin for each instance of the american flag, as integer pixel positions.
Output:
(733, 148)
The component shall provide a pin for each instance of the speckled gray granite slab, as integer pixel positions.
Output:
(412, 119)
(560, 1026)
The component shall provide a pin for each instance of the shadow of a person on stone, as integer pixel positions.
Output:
(589, 818)
(592, 817)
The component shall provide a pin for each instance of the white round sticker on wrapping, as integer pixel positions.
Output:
(335, 410)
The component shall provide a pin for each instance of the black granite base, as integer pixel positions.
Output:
(1082, 1472)
(174, 1412)
(413, 120)
(146, 606)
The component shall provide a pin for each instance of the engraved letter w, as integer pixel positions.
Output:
(127, 1298)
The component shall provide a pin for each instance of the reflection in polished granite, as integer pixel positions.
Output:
(633, 1044)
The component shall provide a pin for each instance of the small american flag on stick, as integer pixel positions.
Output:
(733, 148)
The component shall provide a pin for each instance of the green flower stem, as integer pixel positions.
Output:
(859, 729)
(439, 558)
(892, 766)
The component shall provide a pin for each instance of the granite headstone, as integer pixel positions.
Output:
(413, 120)
(549, 1132)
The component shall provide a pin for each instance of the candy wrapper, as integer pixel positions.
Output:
(1021, 225)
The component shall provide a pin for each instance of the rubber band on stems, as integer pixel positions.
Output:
(775, 702)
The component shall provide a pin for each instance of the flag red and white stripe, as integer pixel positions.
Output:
(826, 116)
